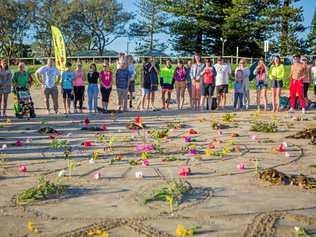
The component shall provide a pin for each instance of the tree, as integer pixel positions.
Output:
(151, 22)
(105, 21)
(15, 19)
(311, 38)
(195, 24)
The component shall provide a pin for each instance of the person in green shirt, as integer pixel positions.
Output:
(166, 82)
(21, 78)
(276, 75)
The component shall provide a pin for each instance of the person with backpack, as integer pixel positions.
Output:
(261, 73)
(67, 78)
(180, 83)
(207, 84)
(276, 75)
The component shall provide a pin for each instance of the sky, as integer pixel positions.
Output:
(120, 45)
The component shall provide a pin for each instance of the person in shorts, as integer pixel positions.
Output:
(276, 75)
(207, 84)
(180, 83)
(105, 85)
(223, 71)
(307, 78)
(196, 77)
(67, 78)
(122, 82)
(189, 81)
(166, 82)
(261, 73)
(131, 88)
(238, 90)
(154, 74)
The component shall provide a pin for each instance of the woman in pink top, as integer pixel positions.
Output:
(79, 83)
(106, 85)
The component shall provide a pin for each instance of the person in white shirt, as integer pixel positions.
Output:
(245, 72)
(313, 72)
(223, 71)
(49, 76)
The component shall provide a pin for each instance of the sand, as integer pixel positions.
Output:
(226, 201)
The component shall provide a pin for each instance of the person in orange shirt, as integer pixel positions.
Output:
(296, 83)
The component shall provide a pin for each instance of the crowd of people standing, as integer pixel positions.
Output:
(206, 84)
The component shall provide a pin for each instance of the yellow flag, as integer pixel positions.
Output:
(59, 47)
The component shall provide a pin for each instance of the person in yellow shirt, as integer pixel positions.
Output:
(276, 75)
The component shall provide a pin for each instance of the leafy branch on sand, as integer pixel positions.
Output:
(58, 144)
(172, 193)
(229, 118)
(43, 190)
(264, 126)
(158, 133)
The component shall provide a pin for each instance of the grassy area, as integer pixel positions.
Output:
(33, 68)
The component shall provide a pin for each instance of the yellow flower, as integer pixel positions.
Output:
(209, 152)
(31, 227)
(180, 231)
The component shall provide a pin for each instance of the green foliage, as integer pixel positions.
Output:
(43, 190)
(311, 38)
(264, 126)
(158, 133)
(58, 144)
(229, 117)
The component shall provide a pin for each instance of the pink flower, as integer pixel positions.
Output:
(86, 121)
(144, 148)
(192, 152)
(184, 171)
(281, 148)
(241, 166)
(103, 128)
(145, 163)
(187, 139)
(210, 146)
(254, 137)
(97, 175)
(18, 142)
(87, 144)
(22, 168)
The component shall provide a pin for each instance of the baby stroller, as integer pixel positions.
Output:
(23, 103)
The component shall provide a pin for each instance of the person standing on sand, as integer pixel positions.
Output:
(276, 75)
(196, 77)
(49, 76)
(208, 84)
(296, 83)
(180, 83)
(238, 90)
(313, 72)
(307, 78)
(105, 85)
(246, 84)
(223, 70)
(67, 78)
(122, 82)
(189, 81)
(132, 72)
(261, 73)
(5, 86)
(93, 90)
(79, 87)
(166, 83)
(154, 74)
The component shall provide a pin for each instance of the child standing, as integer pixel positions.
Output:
(261, 73)
(106, 85)
(238, 87)
(67, 79)
(122, 83)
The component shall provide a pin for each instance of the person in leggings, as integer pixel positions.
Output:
(106, 85)
(78, 84)
(93, 89)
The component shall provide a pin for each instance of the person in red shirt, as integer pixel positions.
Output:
(296, 83)
(208, 84)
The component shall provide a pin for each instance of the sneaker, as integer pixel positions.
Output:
(303, 111)
(291, 110)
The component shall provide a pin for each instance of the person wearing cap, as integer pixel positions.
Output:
(105, 85)
(223, 71)
(196, 77)
(67, 78)
(49, 76)
(131, 88)
(122, 82)
(5, 86)
(276, 75)
(307, 77)
(296, 83)
(79, 88)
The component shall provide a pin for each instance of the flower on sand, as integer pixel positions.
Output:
(144, 148)
(192, 131)
(241, 166)
(138, 120)
(87, 144)
(18, 142)
(22, 168)
(184, 171)
(182, 232)
(86, 121)
(97, 175)
(281, 148)
(31, 227)
(145, 162)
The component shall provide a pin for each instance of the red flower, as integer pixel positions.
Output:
(138, 120)
(22, 168)
(192, 131)
(184, 171)
(281, 148)
(51, 137)
(87, 144)
(103, 128)
(86, 121)
(210, 146)
(18, 142)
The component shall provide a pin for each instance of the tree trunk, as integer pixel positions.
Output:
(285, 29)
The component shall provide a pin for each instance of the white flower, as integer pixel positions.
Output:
(285, 144)
(61, 173)
(4, 146)
(69, 134)
(28, 140)
(287, 154)
(139, 174)
(297, 229)
(254, 137)
(97, 175)
(91, 161)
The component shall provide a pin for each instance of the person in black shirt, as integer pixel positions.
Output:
(145, 84)
(93, 88)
